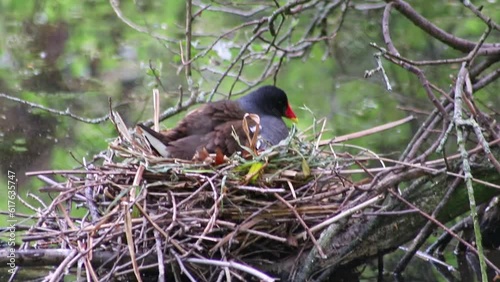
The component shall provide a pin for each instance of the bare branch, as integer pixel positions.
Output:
(56, 112)
(115, 4)
(436, 32)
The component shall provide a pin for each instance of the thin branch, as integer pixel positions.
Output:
(189, 21)
(426, 231)
(457, 118)
(232, 11)
(115, 4)
(418, 72)
(438, 33)
(56, 112)
(234, 265)
(487, 20)
(456, 236)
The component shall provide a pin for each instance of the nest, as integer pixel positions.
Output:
(202, 220)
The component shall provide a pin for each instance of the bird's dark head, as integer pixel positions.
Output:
(268, 100)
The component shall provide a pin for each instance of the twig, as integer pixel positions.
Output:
(304, 225)
(56, 112)
(456, 236)
(341, 215)
(115, 4)
(426, 231)
(159, 253)
(61, 269)
(457, 117)
(436, 32)
(380, 68)
(183, 268)
(366, 132)
(130, 238)
(487, 20)
(234, 265)
(426, 257)
(189, 21)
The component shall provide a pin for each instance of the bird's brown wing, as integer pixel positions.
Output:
(204, 120)
(210, 127)
(222, 137)
(219, 138)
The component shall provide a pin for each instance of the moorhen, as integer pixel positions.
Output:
(211, 125)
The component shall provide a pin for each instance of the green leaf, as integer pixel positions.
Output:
(305, 168)
(254, 172)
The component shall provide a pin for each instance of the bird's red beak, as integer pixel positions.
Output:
(290, 114)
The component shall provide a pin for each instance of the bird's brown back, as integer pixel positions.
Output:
(205, 119)
(209, 127)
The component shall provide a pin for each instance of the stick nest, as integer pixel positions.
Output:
(204, 221)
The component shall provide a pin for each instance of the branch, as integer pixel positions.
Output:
(367, 237)
(115, 4)
(436, 32)
(56, 112)
(189, 21)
